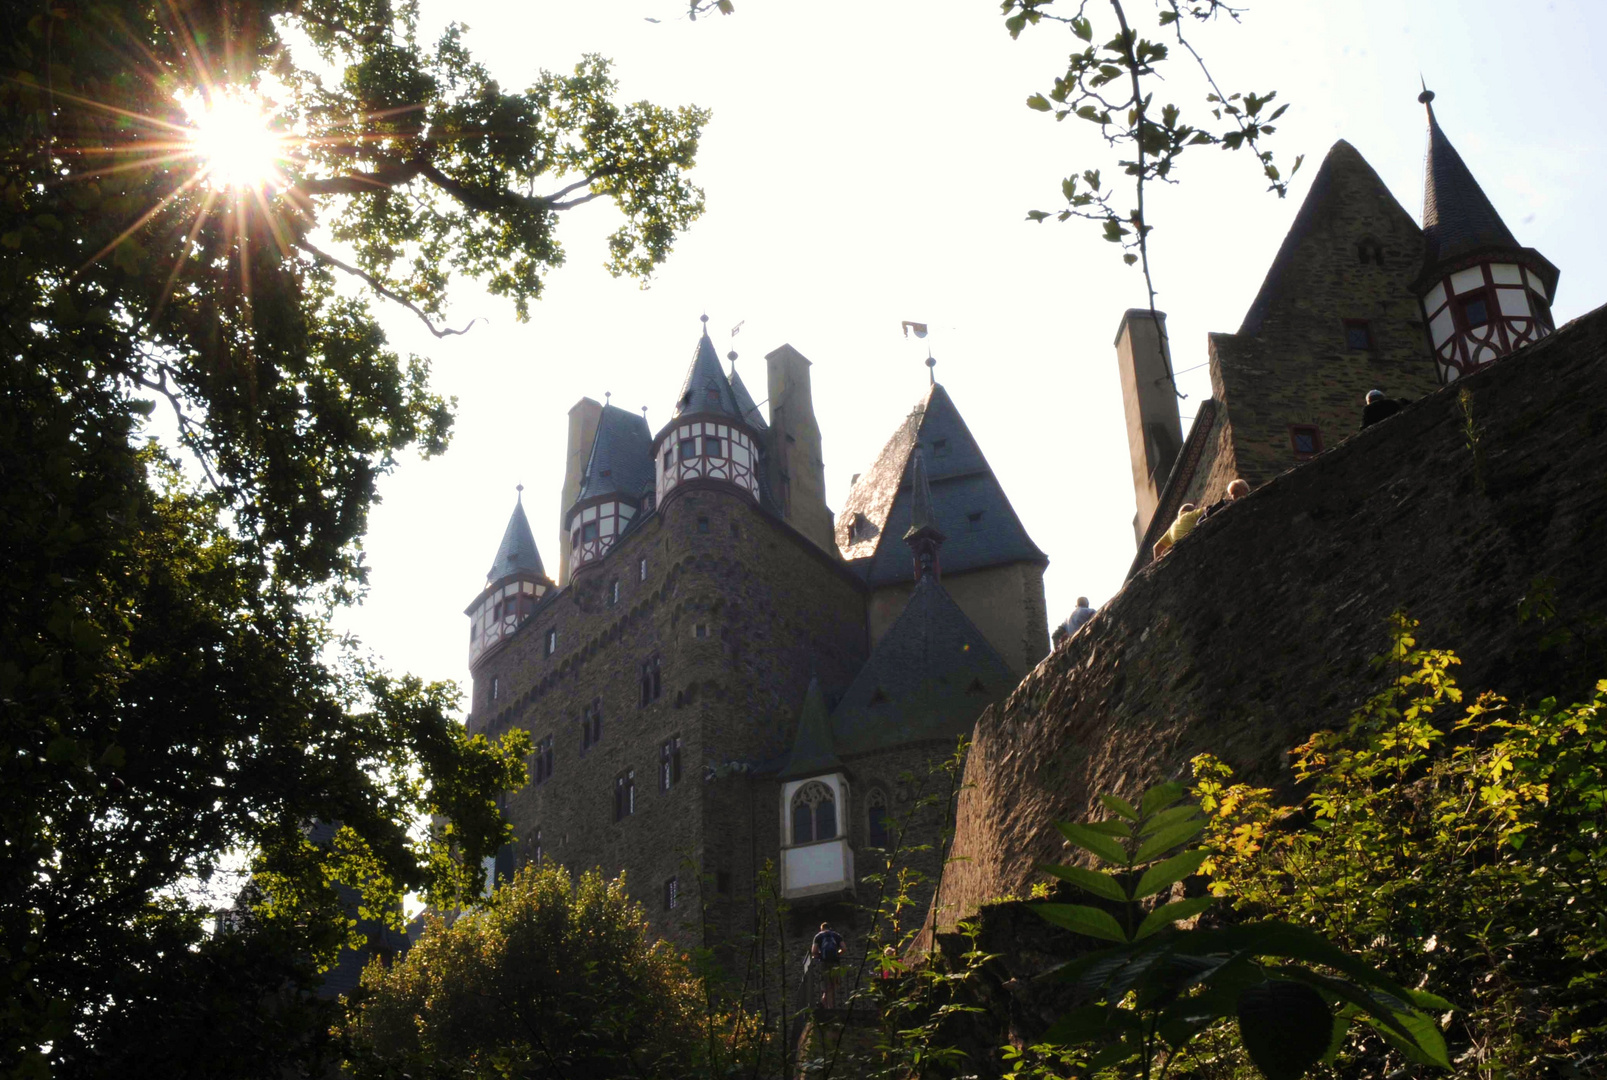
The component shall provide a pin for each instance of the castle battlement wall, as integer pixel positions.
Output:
(1258, 629)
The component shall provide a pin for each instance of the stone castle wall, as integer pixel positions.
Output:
(1258, 628)
(774, 611)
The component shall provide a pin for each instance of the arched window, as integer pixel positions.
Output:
(814, 813)
(877, 820)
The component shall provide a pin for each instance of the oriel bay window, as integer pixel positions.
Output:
(814, 814)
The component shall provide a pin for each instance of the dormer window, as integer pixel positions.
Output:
(940, 448)
(974, 518)
(863, 528)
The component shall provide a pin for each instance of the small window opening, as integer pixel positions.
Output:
(1306, 440)
(669, 457)
(700, 631)
(543, 761)
(588, 531)
(712, 446)
(974, 518)
(650, 684)
(672, 894)
(552, 641)
(669, 763)
(1476, 311)
(877, 820)
(702, 524)
(722, 882)
(940, 448)
(496, 688)
(735, 532)
(625, 794)
(536, 851)
(1358, 335)
(641, 570)
(688, 449)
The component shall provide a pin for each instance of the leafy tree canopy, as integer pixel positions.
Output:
(554, 977)
(169, 691)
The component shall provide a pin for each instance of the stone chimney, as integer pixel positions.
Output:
(1154, 431)
(797, 472)
(583, 417)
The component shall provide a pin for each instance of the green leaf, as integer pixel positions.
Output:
(1094, 881)
(1038, 103)
(1167, 839)
(1425, 1000)
(1093, 840)
(1167, 914)
(1090, 1023)
(1161, 796)
(1426, 1034)
(1168, 817)
(1165, 874)
(1081, 919)
(1116, 804)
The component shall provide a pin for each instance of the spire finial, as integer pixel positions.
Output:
(704, 319)
(931, 368)
(732, 356)
(520, 489)
(1427, 96)
(608, 398)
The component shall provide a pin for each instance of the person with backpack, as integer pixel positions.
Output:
(827, 949)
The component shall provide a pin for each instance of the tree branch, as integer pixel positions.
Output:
(378, 286)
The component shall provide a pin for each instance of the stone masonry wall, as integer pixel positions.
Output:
(774, 611)
(1258, 628)
(1295, 367)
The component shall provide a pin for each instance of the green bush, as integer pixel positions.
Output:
(554, 977)
(1459, 847)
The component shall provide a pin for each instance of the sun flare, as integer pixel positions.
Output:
(232, 139)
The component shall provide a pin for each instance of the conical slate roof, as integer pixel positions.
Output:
(621, 461)
(706, 389)
(982, 527)
(517, 553)
(813, 751)
(1458, 218)
(750, 411)
(929, 677)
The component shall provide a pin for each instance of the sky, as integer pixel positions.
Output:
(871, 163)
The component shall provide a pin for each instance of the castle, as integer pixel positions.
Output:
(724, 673)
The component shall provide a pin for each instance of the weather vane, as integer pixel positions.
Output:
(920, 331)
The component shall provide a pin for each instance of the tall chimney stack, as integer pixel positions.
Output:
(1154, 431)
(583, 417)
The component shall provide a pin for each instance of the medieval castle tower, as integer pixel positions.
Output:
(1358, 298)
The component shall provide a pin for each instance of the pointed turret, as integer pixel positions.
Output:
(813, 750)
(618, 476)
(517, 552)
(924, 538)
(750, 411)
(1484, 295)
(711, 440)
(514, 585)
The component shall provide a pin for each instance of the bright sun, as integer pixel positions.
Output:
(233, 141)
